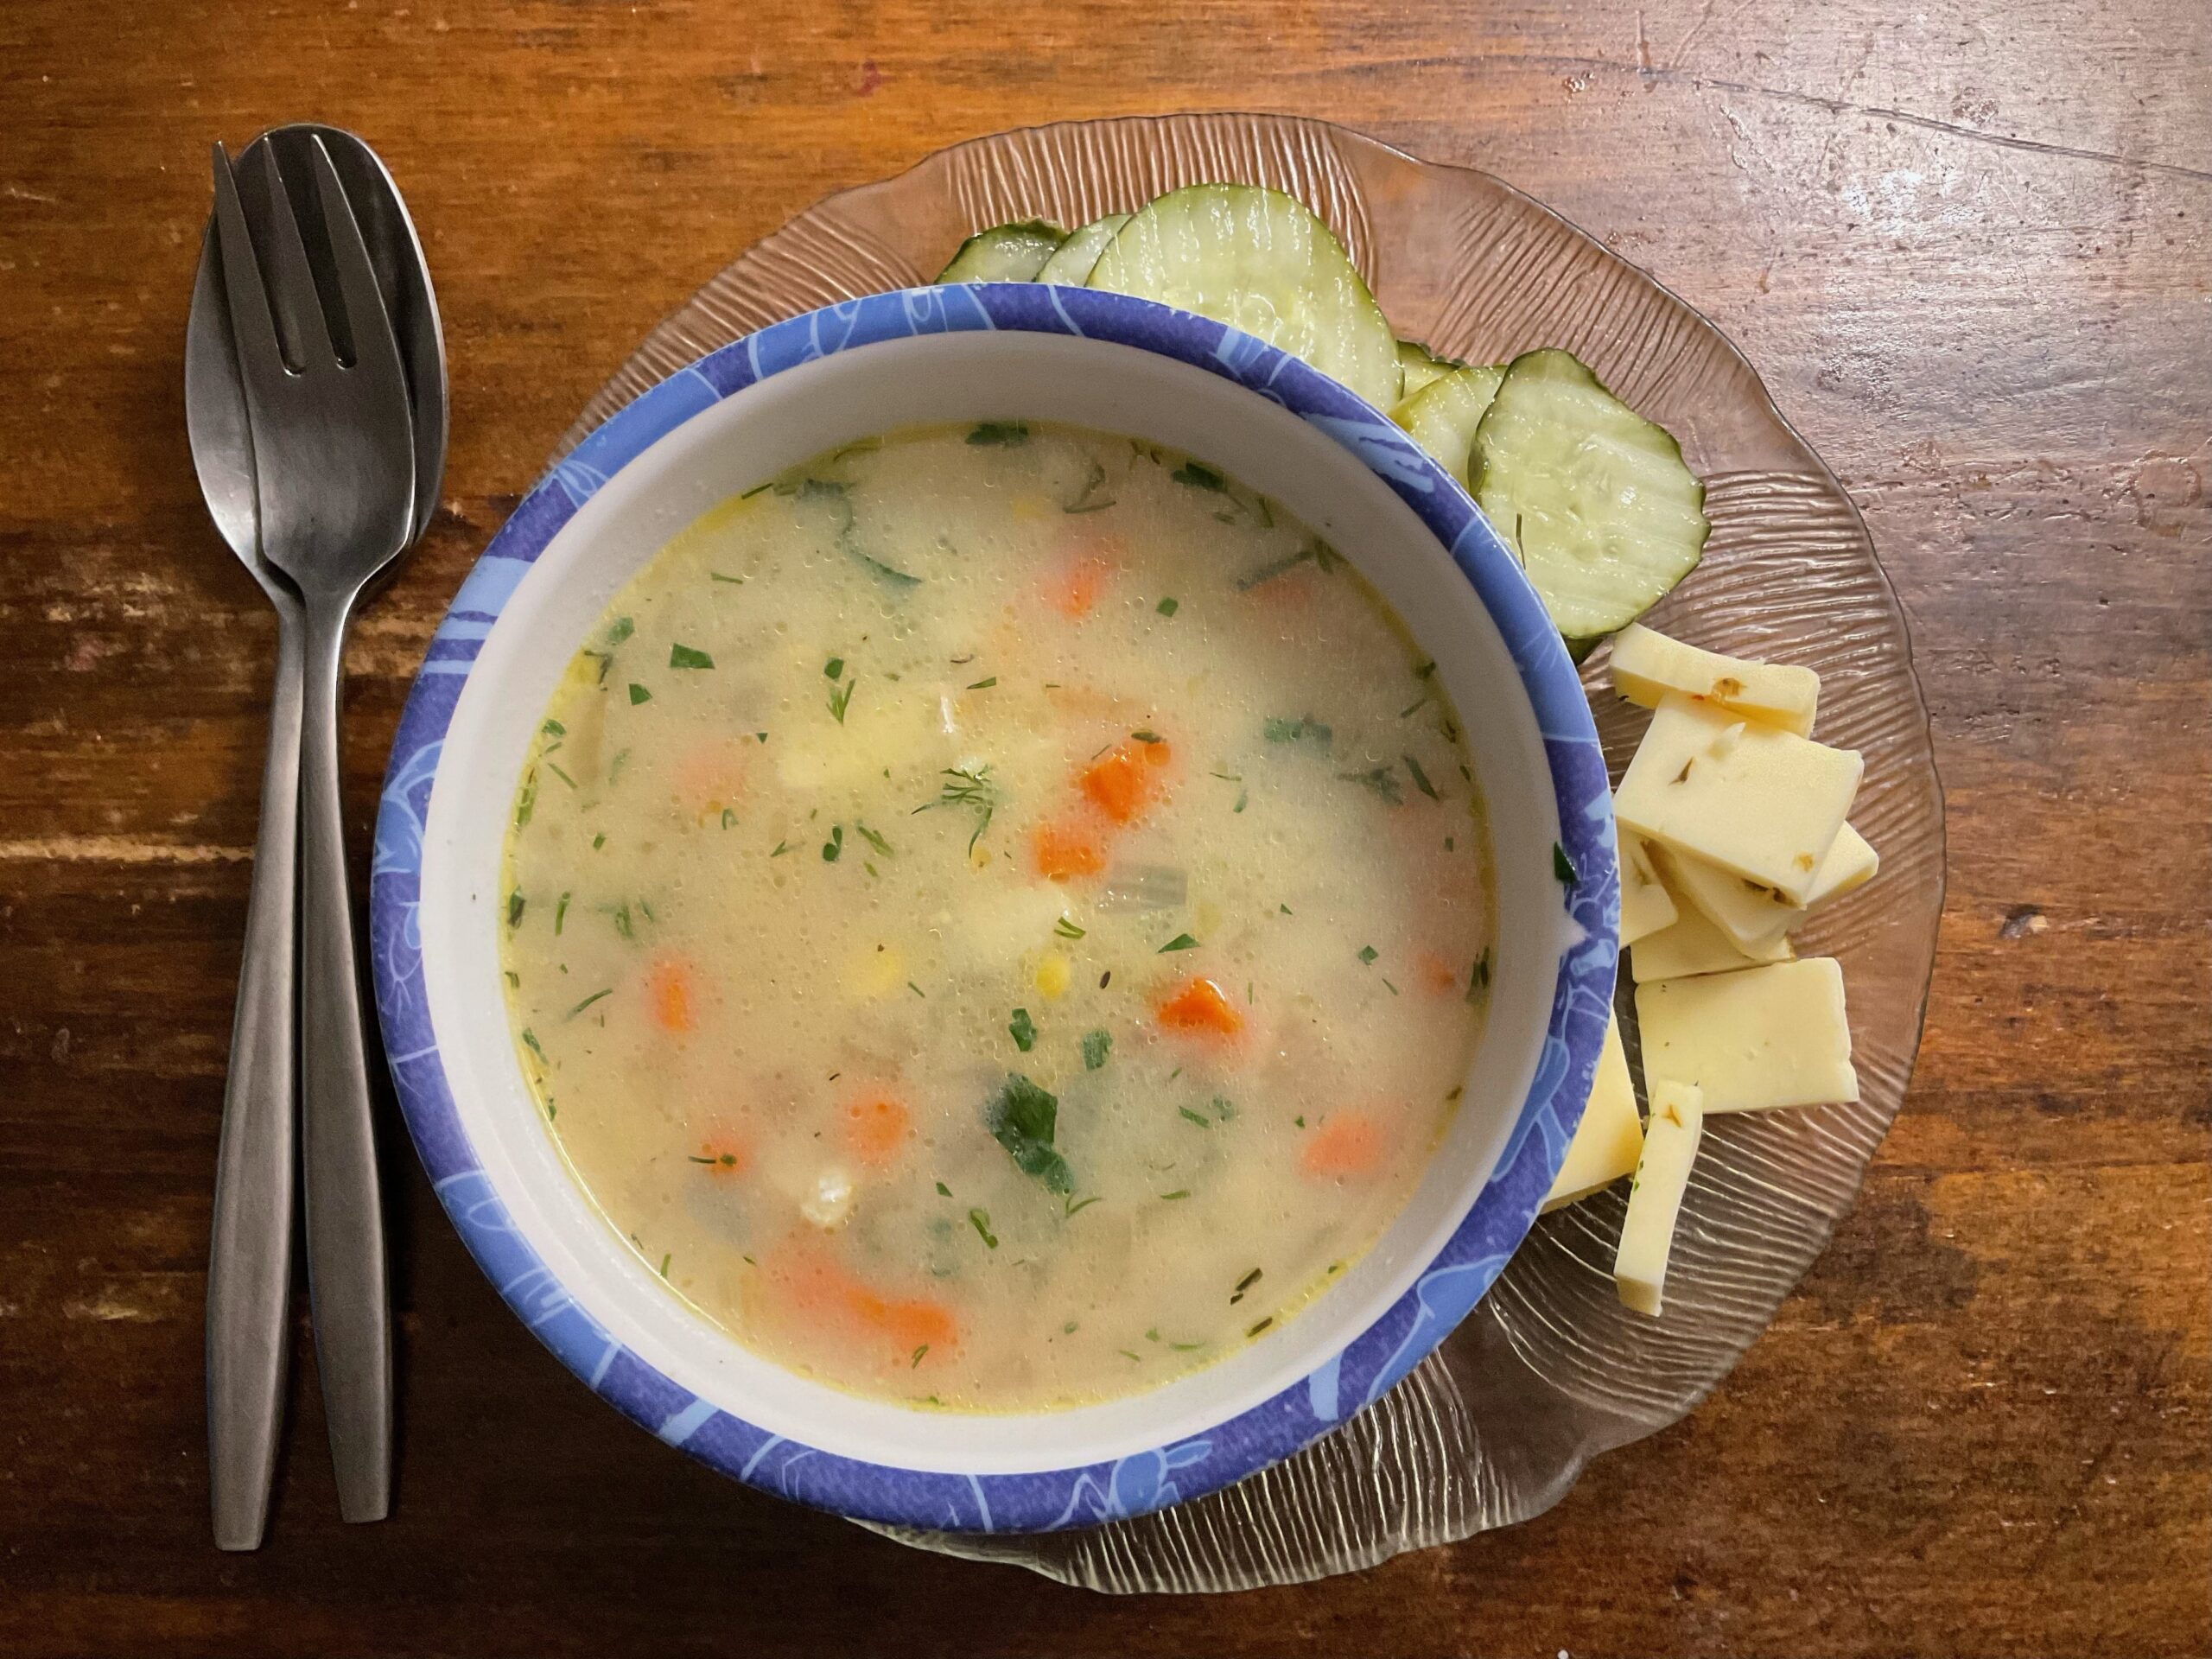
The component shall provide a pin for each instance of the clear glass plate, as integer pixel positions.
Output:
(1549, 1369)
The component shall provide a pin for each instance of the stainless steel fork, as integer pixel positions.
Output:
(335, 479)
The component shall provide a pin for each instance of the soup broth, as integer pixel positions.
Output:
(998, 917)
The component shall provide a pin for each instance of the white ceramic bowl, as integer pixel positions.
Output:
(735, 420)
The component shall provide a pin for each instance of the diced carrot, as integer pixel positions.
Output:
(710, 778)
(818, 1287)
(1346, 1144)
(1078, 587)
(1063, 850)
(1116, 784)
(1438, 975)
(1202, 1006)
(672, 993)
(876, 1126)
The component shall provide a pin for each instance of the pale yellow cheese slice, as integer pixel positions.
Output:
(1762, 1037)
(1610, 1137)
(1662, 1174)
(1646, 906)
(1752, 915)
(1694, 945)
(1754, 800)
(1646, 666)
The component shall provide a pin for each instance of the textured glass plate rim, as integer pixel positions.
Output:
(1447, 1285)
(721, 308)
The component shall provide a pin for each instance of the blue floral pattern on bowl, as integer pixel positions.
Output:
(1353, 1379)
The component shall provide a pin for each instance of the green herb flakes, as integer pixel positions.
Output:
(1097, 1046)
(1067, 930)
(515, 903)
(1023, 1119)
(1181, 942)
(639, 693)
(1167, 606)
(1200, 478)
(588, 1001)
(686, 656)
(1368, 953)
(1003, 435)
(981, 1221)
(1199, 1118)
(833, 849)
(1562, 866)
(1420, 777)
(1303, 729)
(1023, 1030)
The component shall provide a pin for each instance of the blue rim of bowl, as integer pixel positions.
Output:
(1447, 1287)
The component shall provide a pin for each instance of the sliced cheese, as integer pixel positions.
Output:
(1694, 945)
(1647, 667)
(1752, 799)
(1753, 915)
(1646, 906)
(1760, 1037)
(1608, 1140)
(1662, 1174)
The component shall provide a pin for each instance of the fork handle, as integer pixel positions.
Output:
(345, 1218)
(250, 1249)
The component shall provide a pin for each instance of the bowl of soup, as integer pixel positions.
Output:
(994, 907)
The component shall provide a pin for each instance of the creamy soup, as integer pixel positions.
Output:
(998, 917)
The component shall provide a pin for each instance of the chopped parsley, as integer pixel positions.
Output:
(981, 1221)
(833, 668)
(1075, 1206)
(526, 802)
(1420, 777)
(919, 1352)
(1023, 1029)
(734, 582)
(1181, 942)
(1180, 1192)
(943, 1191)
(873, 840)
(1199, 1118)
(1562, 866)
(685, 657)
(1003, 435)
(984, 685)
(639, 693)
(1367, 953)
(619, 630)
(515, 902)
(841, 698)
(1244, 1285)
(588, 1001)
(1168, 606)
(833, 849)
(1200, 478)
(1023, 1119)
(1097, 1046)
(530, 1042)
(1067, 930)
(782, 847)
(1146, 736)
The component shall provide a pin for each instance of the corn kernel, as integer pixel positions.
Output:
(1052, 976)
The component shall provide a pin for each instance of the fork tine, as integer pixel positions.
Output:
(376, 348)
(299, 311)
(253, 331)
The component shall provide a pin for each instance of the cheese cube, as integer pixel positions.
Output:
(1646, 666)
(1610, 1137)
(1694, 945)
(1756, 801)
(1752, 915)
(1764, 1036)
(1646, 906)
(1654, 1204)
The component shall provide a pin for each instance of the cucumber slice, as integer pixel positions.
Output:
(1443, 415)
(1259, 261)
(1421, 366)
(1593, 498)
(1005, 254)
(1072, 264)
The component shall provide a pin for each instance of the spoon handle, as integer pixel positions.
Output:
(345, 1218)
(250, 1252)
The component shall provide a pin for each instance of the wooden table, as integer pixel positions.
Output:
(1970, 248)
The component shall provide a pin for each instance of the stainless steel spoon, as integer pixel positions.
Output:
(249, 1255)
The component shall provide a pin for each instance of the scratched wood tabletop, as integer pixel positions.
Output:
(1970, 249)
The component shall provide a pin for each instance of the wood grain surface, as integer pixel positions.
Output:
(1970, 248)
